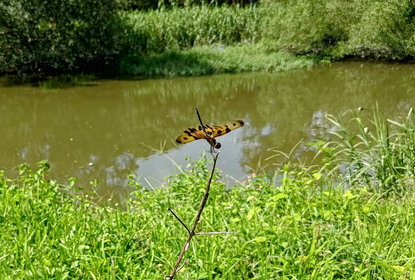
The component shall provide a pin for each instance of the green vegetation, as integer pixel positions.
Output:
(339, 28)
(45, 37)
(39, 36)
(207, 60)
(154, 4)
(304, 223)
(373, 154)
(183, 28)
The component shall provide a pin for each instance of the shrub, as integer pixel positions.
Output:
(43, 35)
(382, 30)
(301, 26)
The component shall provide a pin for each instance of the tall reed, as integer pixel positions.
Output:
(183, 28)
(377, 153)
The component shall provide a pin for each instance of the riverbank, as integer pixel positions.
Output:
(200, 61)
(316, 222)
(183, 40)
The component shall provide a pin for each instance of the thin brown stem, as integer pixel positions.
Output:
(179, 220)
(199, 213)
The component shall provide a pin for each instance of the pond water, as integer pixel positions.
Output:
(112, 128)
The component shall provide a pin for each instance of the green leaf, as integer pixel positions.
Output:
(261, 239)
(279, 196)
(348, 195)
(250, 214)
(203, 275)
(317, 176)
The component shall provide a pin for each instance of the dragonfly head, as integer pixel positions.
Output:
(218, 145)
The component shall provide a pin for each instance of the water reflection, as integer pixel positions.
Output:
(107, 131)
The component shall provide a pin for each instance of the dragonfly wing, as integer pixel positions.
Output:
(223, 128)
(189, 135)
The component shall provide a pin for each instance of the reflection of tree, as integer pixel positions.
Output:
(109, 121)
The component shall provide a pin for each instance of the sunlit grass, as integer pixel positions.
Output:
(377, 153)
(212, 60)
(307, 226)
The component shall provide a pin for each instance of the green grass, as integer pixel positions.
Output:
(303, 223)
(213, 60)
(377, 153)
(201, 41)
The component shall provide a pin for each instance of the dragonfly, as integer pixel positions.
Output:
(208, 132)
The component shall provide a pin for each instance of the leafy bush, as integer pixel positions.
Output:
(338, 28)
(383, 30)
(301, 26)
(43, 35)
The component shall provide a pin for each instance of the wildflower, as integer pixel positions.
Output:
(356, 269)
(244, 183)
(254, 175)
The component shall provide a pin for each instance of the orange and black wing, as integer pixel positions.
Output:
(219, 130)
(191, 134)
(212, 131)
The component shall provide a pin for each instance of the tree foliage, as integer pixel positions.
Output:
(38, 35)
(339, 28)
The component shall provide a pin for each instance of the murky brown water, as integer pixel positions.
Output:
(107, 131)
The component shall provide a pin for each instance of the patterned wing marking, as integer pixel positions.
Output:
(189, 135)
(224, 128)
